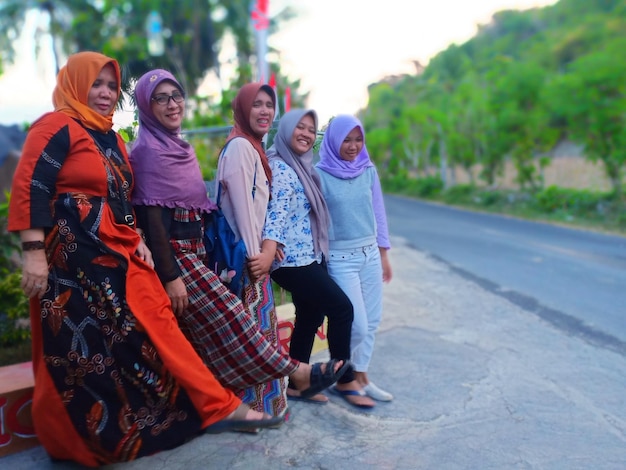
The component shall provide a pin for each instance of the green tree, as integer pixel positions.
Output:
(516, 101)
(192, 33)
(591, 99)
(59, 14)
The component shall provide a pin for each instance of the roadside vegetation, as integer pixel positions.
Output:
(526, 84)
(579, 208)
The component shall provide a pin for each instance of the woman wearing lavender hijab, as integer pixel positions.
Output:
(171, 201)
(359, 238)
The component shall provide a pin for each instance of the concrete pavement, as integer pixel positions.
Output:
(479, 383)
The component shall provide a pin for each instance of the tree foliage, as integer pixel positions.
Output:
(527, 80)
(193, 33)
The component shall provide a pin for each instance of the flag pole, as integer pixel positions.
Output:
(259, 15)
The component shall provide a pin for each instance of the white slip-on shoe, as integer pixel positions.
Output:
(376, 393)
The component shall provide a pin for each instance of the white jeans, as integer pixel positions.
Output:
(359, 273)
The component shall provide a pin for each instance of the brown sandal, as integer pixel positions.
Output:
(238, 422)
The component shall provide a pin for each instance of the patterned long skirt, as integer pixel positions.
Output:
(258, 298)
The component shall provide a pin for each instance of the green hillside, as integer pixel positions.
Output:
(527, 81)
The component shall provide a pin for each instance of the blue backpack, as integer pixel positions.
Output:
(226, 256)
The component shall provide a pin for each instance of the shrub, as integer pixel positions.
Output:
(427, 187)
(14, 315)
(461, 193)
(575, 201)
(490, 198)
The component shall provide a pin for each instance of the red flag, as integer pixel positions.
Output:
(260, 20)
(287, 106)
(272, 83)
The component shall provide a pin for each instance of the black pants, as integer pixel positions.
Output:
(315, 296)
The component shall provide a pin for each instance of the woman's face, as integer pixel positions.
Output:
(351, 145)
(168, 105)
(262, 113)
(102, 95)
(303, 136)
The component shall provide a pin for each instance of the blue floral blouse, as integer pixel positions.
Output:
(287, 221)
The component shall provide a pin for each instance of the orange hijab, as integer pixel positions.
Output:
(75, 80)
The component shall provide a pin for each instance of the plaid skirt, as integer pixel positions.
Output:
(231, 341)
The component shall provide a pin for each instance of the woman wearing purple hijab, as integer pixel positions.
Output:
(358, 235)
(170, 201)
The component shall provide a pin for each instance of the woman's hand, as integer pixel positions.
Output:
(387, 274)
(34, 273)
(280, 254)
(177, 293)
(144, 253)
(259, 265)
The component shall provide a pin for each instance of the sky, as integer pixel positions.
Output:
(336, 47)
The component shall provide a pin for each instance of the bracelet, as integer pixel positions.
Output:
(32, 246)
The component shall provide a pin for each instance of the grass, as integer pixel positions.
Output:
(596, 211)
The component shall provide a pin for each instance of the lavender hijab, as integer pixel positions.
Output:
(165, 167)
(330, 160)
(303, 166)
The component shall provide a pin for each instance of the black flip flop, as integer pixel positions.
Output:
(352, 393)
(238, 425)
(322, 380)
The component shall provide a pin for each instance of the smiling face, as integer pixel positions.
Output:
(169, 114)
(351, 145)
(262, 113)
(102, 95)
(303, 136)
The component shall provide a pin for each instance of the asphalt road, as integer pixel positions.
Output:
(572, 278)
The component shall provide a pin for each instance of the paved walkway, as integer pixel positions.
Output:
(479, 384)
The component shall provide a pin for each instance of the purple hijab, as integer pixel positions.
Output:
(165, 167)
(330, 161)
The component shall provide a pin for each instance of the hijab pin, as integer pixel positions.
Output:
(153, 77)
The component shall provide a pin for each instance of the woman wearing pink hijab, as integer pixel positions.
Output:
(244, 175)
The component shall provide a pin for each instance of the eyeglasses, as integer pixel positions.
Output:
(163, 99)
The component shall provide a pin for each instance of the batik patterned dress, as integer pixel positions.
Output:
(115, 378)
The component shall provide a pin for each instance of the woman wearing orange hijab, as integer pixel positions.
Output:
(115, 378)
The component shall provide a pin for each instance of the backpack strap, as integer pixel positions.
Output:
(219, 184)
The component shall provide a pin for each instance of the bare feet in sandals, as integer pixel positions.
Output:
(244, 418)
(353, 393)
(317, 399)
(309, 380)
